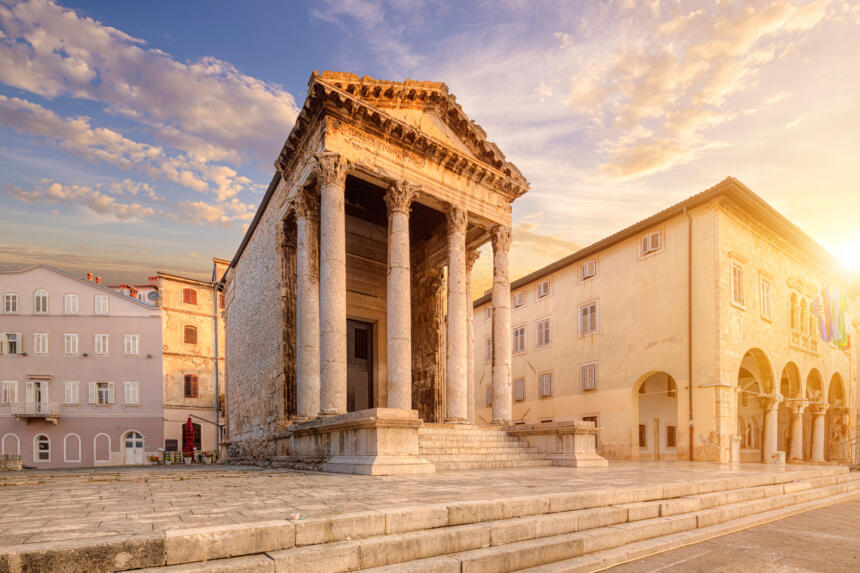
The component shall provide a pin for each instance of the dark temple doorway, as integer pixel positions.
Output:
(359, 384)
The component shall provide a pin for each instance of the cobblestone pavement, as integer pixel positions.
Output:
(826, 539)
(52, 505)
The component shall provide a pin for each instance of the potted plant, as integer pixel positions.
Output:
(154, 459)
(168, 458)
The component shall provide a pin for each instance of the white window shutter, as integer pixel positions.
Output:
(31, 392)
(94, 393)
(19, 340)
(656, 240)
(111, 393)
(2, 343)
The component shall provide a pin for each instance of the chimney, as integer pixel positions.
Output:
(98, 280)
(89, 276)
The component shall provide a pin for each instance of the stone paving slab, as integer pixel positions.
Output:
(60, 505)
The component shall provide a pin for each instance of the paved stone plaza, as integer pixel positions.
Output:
(820, 540)
(57, 505)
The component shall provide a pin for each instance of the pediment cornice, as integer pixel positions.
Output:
(363, 101)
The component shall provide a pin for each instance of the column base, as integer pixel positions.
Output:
(457, 421)
(378, 441)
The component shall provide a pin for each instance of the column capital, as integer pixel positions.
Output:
(770, 402)
(796, 406)
(818, 408)
(501, 238)
(306, 205)
(457, 218)
(331, 168)
(400, 195)
(471, 258)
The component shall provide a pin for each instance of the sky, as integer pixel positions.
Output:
(142, 136)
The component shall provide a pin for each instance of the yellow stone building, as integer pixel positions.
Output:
(194, 373)
(716, 289)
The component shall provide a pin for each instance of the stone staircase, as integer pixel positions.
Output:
(465, 447)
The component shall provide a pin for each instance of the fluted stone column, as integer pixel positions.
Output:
(307, 307)
(399, 309)
(332, 177)
(502, 391)
(818, 411)
(456, 341)
(771, 428)
(796, 452)
(471, 258)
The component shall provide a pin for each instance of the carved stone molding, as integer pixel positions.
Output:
(501, 238)
(797, 406)
(471, 258)
(400, 196)
(331, 168)
(770, 402)
(306, 204)
(458, 220)
(818, 407)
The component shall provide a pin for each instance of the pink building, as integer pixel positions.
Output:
(80, 372)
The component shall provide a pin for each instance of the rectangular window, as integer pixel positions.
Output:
(519, 390)
(221, 299)
(544, 288)
(588, 377)
(488, 312)
(489, 395)
(101, 344)
(132, 392)
(40, 343)
(650, 243)
(765, 298)
(670, 436)
(588, 318)
(737, 283)
(643, 436)
(70, 343)
(588, 269)
(545, 384)
(70, 392)
(191, 386)
(189, 296)
(131, 343)
(70, 303)
(488, 348)
(10, 302)
(519, 299)
(519, 339)
(101, 304)
(102, 393)
(9, 392)
(543, 332)
(10, 343)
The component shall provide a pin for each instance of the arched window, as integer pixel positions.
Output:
(101, 448)
(804, 320)
(189, 334)
(10, 445)
(191, 386)
(40, 301)
(794, 316)
(189, 296)
(72, 448)
(41, 448)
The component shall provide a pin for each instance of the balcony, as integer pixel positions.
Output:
(48, 411)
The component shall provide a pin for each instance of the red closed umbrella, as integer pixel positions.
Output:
(188, 445)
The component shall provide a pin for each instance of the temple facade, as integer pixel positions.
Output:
(348, 303)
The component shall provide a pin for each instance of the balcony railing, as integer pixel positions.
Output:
(36, 410)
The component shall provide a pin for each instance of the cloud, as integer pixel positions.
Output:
(77, 135)
(207, 107)
(84, 196)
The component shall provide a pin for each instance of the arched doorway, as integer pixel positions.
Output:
(837, 422)
(790, 414)
(132, 444)
(757, 408)
(655, 420)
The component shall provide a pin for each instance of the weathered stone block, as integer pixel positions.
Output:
(340, 527)
(404, 519)
(513, 530)
(641, 510)
(475, 511)
(221, 541)
(115, 554)
(247, 564)
(420, 544)
(326, 558)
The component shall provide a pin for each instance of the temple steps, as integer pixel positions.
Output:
(580, 530)
(468, 447)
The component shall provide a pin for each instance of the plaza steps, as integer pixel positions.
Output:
(580, 530)
(466, 447)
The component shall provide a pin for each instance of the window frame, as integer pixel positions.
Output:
(40, 339)
(739, 266)
(37, 458)
(765, 303)
(524, 346)
(189, 296)
(40, 295)
(488, 348)
(584, 368)
(186, 328)
(11, 297)
(97, 307)
(488, 312)
(645, 244)
(131, 339)
(67, 298)
(134, 386)
(548, 339)
(547, 281)
(102, 389)
(96, 346)
(6, 344)
(75, 391)
(674, 443)
(583, 267)
(71, 336)
(194, 381)
(643, 436)
(5, 393)
(518, 388)
(596, 315)
(517, 294)
(541, 380)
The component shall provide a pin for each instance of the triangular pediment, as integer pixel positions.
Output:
(421, 114)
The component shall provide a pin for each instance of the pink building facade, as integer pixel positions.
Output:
(80, 372)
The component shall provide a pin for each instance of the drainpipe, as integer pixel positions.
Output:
(215, 325)
(690, 320)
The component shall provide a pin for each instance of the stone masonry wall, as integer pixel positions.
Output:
(428, 328)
